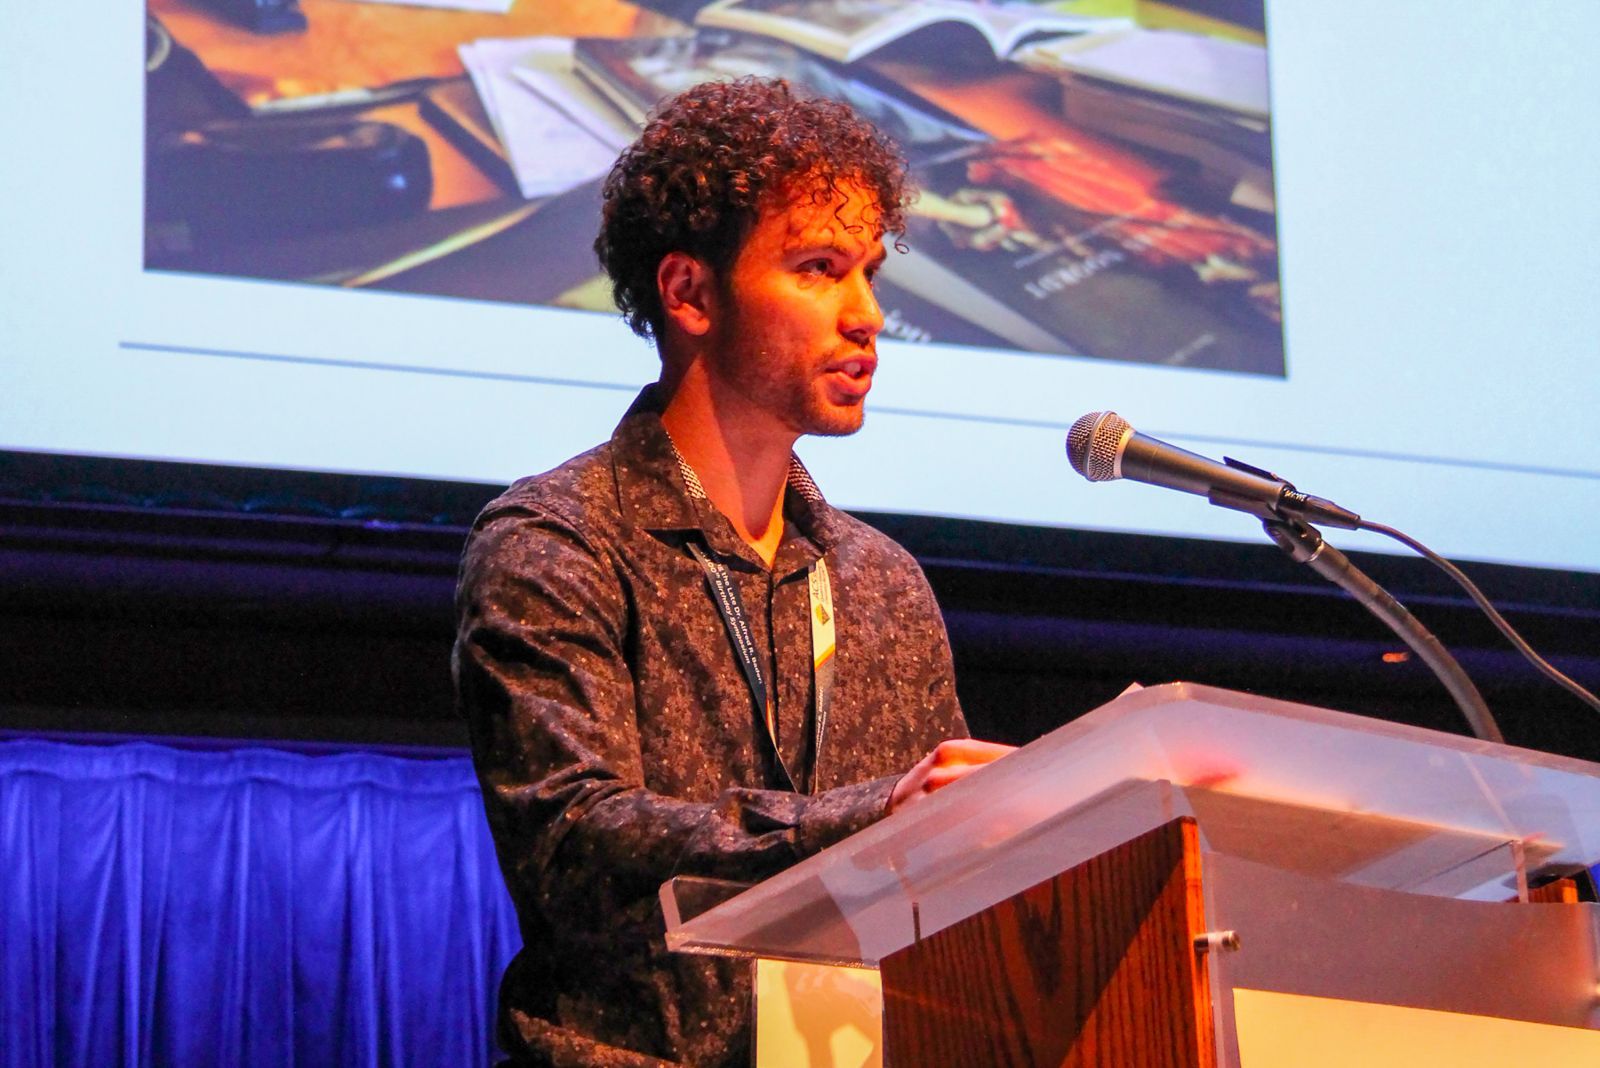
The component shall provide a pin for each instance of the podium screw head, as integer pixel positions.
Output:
(1205, 943)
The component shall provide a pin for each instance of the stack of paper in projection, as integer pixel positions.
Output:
(557, 131)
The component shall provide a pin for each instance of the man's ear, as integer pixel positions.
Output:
(688, 293)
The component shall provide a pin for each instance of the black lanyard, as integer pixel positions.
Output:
(731, 607)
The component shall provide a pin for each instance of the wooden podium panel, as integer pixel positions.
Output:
(1095, 968)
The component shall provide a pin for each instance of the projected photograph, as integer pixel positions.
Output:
(1096, 178)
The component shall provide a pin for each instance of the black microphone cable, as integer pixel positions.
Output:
(1547, 669)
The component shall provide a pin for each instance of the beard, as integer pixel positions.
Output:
(788, 385)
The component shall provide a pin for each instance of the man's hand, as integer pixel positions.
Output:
(950, 760)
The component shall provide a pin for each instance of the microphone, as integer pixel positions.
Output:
(1101, 446)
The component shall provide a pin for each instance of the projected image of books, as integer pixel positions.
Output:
(1061, 249)
(1090, 186)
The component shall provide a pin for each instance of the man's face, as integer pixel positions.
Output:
(796, 337)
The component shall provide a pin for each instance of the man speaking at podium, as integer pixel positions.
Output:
(675, 657)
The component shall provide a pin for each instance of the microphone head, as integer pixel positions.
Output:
(1094, 445)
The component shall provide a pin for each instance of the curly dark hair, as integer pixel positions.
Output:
(696, 178)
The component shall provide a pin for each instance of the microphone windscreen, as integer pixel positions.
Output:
(1093, 445)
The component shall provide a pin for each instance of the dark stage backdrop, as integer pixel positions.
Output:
(246, 907)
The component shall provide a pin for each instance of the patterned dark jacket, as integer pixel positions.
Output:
(618, 745)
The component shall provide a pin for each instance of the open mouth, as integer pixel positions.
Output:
(853, 377)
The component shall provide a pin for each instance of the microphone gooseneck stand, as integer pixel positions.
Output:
(1304, 544)
(1102, 446)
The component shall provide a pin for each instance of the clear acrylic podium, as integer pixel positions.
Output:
(1191, 876)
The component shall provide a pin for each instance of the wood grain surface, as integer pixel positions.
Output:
(1556, 892)
(1095, 967)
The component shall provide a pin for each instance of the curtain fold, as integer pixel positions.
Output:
(245, 907)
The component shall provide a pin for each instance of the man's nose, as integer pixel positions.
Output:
(860, 319)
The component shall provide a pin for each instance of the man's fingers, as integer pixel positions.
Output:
(969, 751)
(944, 776)
(950, 760)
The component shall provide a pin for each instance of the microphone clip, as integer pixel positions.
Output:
(1289, 506)
(1251, 504)
(1251, 469)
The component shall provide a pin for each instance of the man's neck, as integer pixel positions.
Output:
(742, 461)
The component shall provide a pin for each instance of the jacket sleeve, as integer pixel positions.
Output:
(542, 676)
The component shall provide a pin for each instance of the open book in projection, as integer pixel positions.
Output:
(847, 30)
(1336, 857)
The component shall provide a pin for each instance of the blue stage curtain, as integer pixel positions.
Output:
(165, 906)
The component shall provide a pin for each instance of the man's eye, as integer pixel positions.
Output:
(817, 266)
